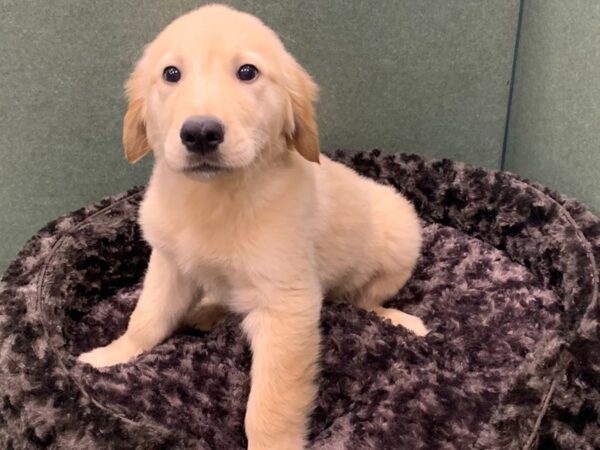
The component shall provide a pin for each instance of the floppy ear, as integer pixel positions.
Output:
(301, 127)
(135, 140)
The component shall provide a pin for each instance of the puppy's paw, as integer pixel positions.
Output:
(117, 352)
(397, 317)
(205, 316)
(282, 443)
(263, 436)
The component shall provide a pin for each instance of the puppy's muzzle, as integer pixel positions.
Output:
(202, 134)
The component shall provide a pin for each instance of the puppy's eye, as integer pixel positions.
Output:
(247, 72)
(171, 74)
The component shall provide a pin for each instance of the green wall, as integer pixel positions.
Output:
(425, 76)
(554, 134)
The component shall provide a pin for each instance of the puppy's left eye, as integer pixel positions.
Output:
(247, 72)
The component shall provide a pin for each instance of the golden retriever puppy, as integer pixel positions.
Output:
(244, 215)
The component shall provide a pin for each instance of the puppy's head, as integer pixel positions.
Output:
(217, 91)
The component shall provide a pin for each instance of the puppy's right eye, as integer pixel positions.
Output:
(171, 74)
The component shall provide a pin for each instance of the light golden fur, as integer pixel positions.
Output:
(268, 236)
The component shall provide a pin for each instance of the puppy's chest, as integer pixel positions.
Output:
(215, 250)
(196, 247)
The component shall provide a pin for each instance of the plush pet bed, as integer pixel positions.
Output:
(507, 283)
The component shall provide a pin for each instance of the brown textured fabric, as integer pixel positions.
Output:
(507, 283)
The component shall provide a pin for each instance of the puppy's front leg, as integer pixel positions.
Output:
(285, 345)
(165, 298)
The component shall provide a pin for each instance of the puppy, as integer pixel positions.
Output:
(243, 214)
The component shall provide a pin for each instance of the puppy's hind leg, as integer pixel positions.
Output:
(208, 312)
(381, 288)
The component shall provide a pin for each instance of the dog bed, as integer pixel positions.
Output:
(507, 283)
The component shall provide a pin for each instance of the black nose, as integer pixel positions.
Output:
(202, 134)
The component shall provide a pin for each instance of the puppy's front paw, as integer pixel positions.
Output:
(264, 438)
(289, 443)
(117, 352)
